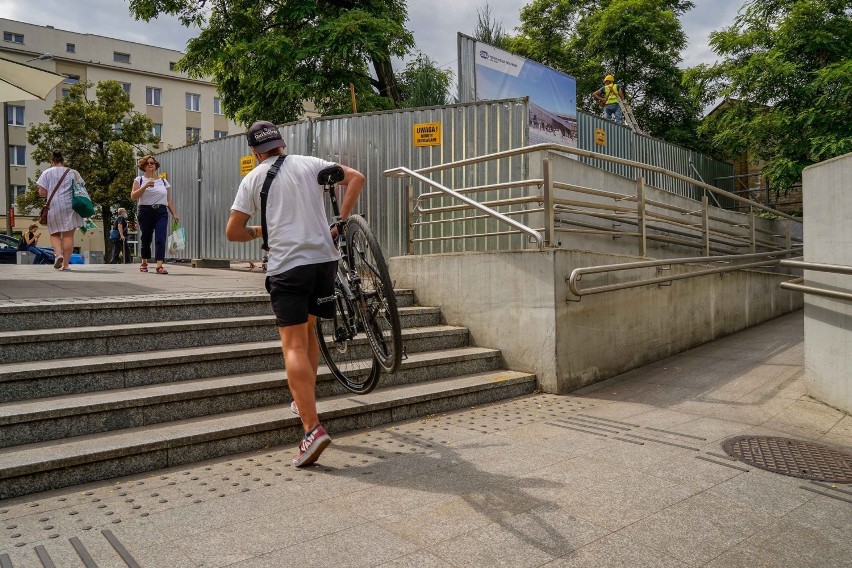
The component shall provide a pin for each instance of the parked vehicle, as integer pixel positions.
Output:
(9, 252)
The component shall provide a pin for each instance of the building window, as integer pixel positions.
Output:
(71, 79)
(172, 65)
(157, 130)
(220, 133)
(193, 102)
(15, 115)
(65, 93)
(70, 48)
(120, 57)
(152, 96)
(217, 106)
(18, 190)
(13, 37)
(193, 135)
(126, 87)
(17, 155)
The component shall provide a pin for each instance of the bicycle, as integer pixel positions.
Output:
(364, 303)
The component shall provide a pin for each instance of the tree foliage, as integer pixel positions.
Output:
(637, 41)
(786, 70)
(424, 84)
(268, 58)
(489, 30)
(99, 138)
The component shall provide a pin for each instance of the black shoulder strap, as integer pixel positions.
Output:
(270, 175)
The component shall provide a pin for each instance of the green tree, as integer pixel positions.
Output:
(489, 30)
(99, 138)
(637, 41)
(424, 84)
(786, 72)
(268, 58)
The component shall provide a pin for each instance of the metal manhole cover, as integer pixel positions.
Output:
(795, 458)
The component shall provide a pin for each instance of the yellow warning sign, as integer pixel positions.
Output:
(427, 134)
(600, 136)
(246, 164)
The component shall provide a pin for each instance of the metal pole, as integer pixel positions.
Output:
(197, 229)
(705, 224)
(640, 212)
(410, 235)
(549, 223)
(751, 227)
(10, 199)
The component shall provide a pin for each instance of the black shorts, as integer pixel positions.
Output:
(303, 290)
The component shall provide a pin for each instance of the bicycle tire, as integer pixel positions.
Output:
(377, 302)
(357, 372)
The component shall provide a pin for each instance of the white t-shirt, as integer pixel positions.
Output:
(295, 212)
(157, 194)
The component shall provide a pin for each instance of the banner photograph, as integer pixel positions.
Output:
(553, 95)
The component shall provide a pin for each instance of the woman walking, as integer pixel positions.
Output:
(155, 202)
(55, 184)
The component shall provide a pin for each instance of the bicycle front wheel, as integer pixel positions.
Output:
(353, 365)
(377, 302)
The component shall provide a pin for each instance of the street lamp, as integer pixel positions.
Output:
(10, 199)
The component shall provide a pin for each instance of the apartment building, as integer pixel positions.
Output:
(182, 109)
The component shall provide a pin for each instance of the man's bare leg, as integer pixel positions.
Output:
(301, 359)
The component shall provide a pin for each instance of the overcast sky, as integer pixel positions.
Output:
(435, 23)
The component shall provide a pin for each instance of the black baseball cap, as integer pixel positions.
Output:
(263, 136)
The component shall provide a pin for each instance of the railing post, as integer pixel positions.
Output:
(410, 231)
(547, 198)
(788, 236)
(705, 223)
(640, 212)
(751, 230)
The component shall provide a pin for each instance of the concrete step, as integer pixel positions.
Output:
(27, 422)
(50, 465)
(116, 310)
(116, 339)
(57, 377)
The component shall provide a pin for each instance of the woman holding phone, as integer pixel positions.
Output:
(154, 195)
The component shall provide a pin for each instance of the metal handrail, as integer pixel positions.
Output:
(578, 273)
(796, 283)
(405, 172)
(397, 172)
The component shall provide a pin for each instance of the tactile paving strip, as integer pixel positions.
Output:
(795, 458)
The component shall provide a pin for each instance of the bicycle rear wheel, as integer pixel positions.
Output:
(354, 366)
(377, 303)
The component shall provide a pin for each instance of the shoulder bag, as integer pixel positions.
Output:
(42, 217)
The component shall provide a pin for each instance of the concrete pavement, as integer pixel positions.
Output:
(629, 472)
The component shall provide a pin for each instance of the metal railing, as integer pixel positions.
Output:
(669, 223)
(797, 283)
(768, 259)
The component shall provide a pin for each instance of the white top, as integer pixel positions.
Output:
(157, 194)
(295, 212)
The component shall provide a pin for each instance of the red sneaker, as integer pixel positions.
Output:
(312, 446)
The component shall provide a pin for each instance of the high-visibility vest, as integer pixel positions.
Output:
(611, 92)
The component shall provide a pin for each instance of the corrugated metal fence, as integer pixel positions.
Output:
(371, 143)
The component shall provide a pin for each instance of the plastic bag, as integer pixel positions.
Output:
(88, 225)
(177, 240)
(80, 202)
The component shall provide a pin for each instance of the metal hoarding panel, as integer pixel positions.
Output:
(181, 168)
(618, 141)
(467, 68)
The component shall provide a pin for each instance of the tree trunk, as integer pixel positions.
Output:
(386, 80)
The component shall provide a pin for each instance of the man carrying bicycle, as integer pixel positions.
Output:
(302, 260)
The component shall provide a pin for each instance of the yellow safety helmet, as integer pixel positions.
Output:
(609, 78)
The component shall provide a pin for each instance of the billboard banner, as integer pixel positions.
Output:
(552, 95)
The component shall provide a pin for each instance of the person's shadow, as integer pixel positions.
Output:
(496, 496)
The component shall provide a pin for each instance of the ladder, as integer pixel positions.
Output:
(627, 111)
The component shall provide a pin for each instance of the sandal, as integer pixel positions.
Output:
(57, 264)
(143, 268)
(161, 270)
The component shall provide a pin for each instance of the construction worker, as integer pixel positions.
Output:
(608, 96)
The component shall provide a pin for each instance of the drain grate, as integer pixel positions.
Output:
(795, 458)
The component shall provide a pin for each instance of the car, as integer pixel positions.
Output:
(9, 252)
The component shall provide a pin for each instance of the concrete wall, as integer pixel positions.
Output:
(516, 301)
(828, 322)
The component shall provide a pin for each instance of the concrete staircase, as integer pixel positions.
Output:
(95, 389)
